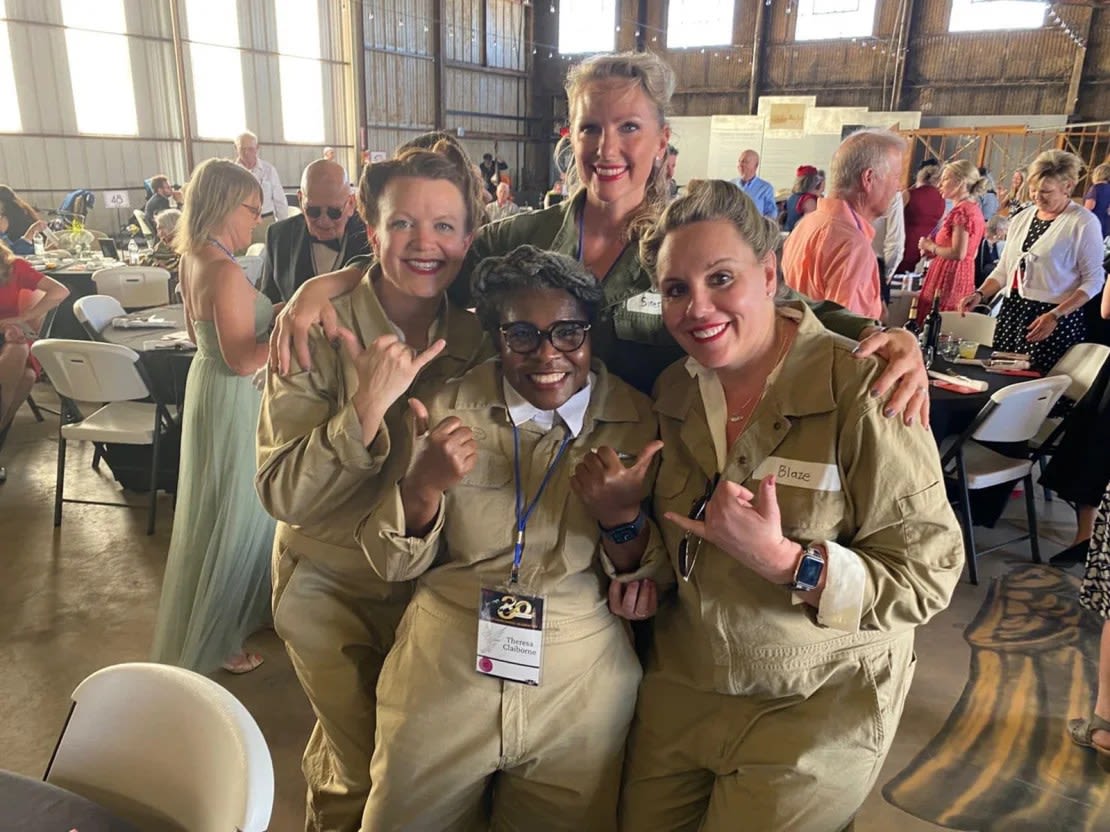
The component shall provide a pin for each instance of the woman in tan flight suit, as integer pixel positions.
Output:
(810, 536)
(540, 434)
(326, 441)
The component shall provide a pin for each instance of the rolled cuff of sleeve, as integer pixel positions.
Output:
(345, 434)
(841, 604)
(394, 555)
(654, 563)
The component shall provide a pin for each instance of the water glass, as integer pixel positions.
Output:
(948, 346)
(968, 348)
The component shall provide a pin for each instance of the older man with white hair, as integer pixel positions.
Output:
(274, 206)
(322, 238)
(828, 255)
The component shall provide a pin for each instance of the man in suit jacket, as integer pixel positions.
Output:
(322, 238)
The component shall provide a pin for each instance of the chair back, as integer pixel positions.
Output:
(1081, 363)
(89, 371)
(256, 250)
(1019, 410)
(252, 265)
(135, 287)
(95, 313)
(162, 745)
(140, 220)
(973, 326)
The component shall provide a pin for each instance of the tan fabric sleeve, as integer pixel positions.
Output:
(392, 553)
(908, 537)
(310, 452)
(654, 563)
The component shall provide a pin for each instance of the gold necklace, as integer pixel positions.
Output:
(758, 397)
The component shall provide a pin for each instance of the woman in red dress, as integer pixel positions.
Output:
(952, 272)
(923, 208)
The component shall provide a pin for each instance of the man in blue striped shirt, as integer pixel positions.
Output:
(760, 190)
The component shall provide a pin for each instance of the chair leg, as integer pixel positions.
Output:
(1031, 512)
(59, 480)
(34, 408)
(154, 474)
(98, 452)
(1047, 491)
(966, 521)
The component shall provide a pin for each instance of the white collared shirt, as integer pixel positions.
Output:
(273, 195)
(572, 411)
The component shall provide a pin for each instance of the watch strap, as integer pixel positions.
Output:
(625, 531)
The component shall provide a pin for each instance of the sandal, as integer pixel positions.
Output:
(242, 662)
(1081, 731)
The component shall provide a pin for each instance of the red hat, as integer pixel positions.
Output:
(805, 170)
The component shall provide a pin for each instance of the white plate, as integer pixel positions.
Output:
(38, 267)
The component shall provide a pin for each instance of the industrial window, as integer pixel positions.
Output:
(587, 26)
(987, 15)
(100, 60)
(10, 122)
(217, 68)
(829, 19)
(302, 77)
(699, 23)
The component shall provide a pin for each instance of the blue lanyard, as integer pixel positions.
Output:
(581, 229)
(522, 514)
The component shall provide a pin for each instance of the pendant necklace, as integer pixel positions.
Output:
(758, 397)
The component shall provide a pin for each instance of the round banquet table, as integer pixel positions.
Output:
(166, 369)
(951, 413)
(34, 806)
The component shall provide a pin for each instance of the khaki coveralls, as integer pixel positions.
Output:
(751, 715)
(337, 617)
(456, 748)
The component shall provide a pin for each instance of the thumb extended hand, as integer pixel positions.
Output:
(643, 460)
(419, 416)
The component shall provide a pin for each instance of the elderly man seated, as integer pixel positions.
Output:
(503, 206)
(323, 238)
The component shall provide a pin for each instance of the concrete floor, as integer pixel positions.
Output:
(84, 596)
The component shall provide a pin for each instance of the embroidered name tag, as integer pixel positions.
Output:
(648, 303)
(816, 476)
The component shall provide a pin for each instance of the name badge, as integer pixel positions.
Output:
(648, 303)
(510, 636)
(816, 476)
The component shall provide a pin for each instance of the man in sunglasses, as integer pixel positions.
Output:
(322, 238)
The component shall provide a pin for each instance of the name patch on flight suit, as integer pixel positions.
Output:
(510, 636)
(648, 303)
(816, 476)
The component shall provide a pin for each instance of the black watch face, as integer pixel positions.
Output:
(623, 534)
(809, 571)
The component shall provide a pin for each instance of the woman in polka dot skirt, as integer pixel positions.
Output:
(1051, 266)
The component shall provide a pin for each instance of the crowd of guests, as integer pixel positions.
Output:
(451, 449)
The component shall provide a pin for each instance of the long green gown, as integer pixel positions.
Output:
(216, 589)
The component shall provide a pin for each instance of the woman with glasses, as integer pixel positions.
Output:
(510, 677)
(617, 187)
(331, 439)
(810, 534)
(216, 588)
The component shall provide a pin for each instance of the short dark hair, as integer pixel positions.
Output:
(487, 157)
(526, 267)
(159, 181)
(672, 150)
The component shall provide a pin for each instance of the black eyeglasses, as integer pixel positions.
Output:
(257, 212)
(314, 212)
(565, 336)
(690, 545)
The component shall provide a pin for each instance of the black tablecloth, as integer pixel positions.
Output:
(30, 805)
(951, 413)
(167, 369)
(61, 322)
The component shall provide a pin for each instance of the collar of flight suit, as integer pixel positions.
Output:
(801, 387)
(480, 389)
(458, 327)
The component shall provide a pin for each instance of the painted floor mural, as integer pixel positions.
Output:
(1003, 761)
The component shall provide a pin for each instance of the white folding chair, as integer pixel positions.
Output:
(140, 220)
(252, 266)
(95, 313)
(1012, 415)
(1081, 364)
(973, 326)
(135, 287)
(256, 250)
(87, 371)
(163, 746)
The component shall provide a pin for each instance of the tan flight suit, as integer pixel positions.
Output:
(752, 715)
(315, 476)
(450, 737)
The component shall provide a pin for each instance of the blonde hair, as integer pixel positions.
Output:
(706, 200)
(444, 161)
(870, 148)
(1101, 173)
(1054, 164)
(969, 175)
(216, 189)
(652, 75)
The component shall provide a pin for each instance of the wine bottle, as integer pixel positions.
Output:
(911, 321)
(932, 332)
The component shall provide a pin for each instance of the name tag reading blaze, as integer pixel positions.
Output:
(647, 303)
(510, 636)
